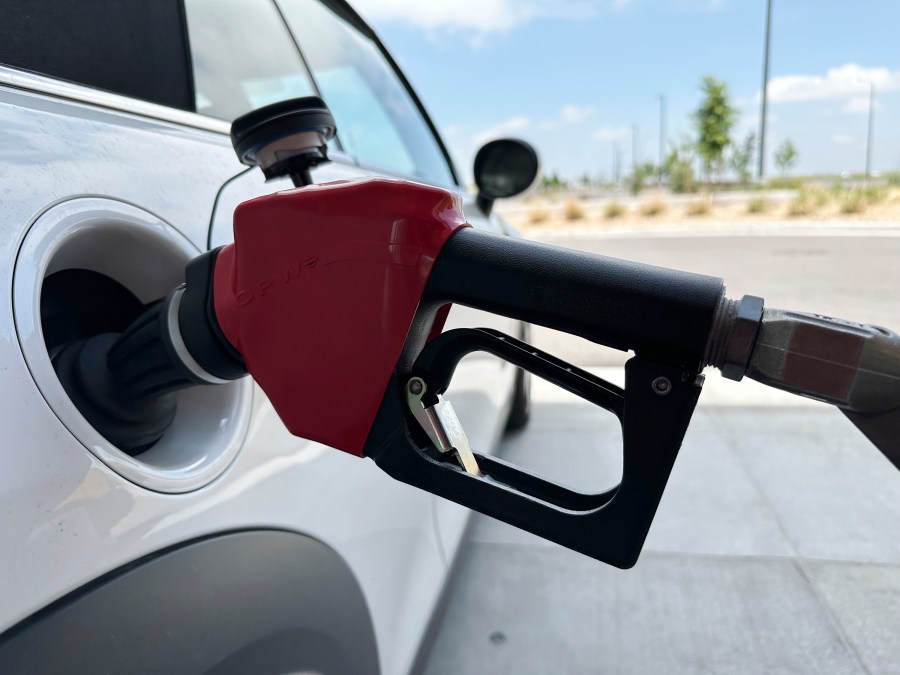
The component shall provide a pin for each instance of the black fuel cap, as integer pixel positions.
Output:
(287, 138)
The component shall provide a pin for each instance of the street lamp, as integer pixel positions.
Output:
(634, 148)
(765, 95)
(662, 134)
(617, 160)
(869, 133)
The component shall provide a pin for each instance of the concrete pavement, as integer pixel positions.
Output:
(777, 544)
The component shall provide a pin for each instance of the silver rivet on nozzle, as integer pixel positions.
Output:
(416, 386)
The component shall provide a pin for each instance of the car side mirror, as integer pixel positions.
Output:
(504, 168)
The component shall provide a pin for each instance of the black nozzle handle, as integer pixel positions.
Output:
(661, 314)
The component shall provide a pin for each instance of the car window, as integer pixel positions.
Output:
(133, 48)
(378, 121)
(243, 57)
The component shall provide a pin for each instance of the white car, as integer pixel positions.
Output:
(229, 545)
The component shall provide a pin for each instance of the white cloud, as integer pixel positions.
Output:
(749, 121)
(842, 139)
(573, 114)
(569, 114)
(846, 81)
(612, 134)
(504, 128)
(482, 16)
(858, 105)
(700, 5)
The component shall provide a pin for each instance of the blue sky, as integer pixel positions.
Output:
(574, 76)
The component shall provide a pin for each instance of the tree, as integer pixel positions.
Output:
(786, 157)
(639, 177)
(742, 157)
(552, 182)
(714, 119)
(679, 168)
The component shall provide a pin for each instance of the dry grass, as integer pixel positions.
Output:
(652, 207)
(808, 201)
(815, 203)
(613, 210)
(757, 204)
(800, 206)
(573, 210)
(853, 201)
(537, 215)
(820, 197)
(875, 194)
(698, 207)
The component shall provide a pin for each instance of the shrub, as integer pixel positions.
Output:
(573, 210)
(681, 177)
(875, 193)
(537, 215)
(801, 205)
(853, 201)
(808, 201)
(613, 210)
(639, 177)
(836, 189)
(678, 168)
(653, 207)
(698, 207)
(817, 195)
(757, 204)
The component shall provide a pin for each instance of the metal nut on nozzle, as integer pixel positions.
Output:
(733, 335)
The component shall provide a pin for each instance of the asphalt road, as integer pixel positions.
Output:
(850, 277)
(776, 547)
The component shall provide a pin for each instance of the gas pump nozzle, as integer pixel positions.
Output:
(333, 298)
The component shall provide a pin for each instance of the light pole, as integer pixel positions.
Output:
(616, 162)
(662, 134)
(765, 95)
(634, 148)
(869, 133)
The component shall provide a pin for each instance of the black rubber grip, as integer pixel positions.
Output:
(132, 422)
(199, 326)
(144, 360)
(662, 314)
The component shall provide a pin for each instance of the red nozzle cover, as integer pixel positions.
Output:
(319, 290)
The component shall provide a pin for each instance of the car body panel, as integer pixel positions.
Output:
(250, 601)
(68, 517)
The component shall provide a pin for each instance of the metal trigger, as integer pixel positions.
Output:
(441, 424)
